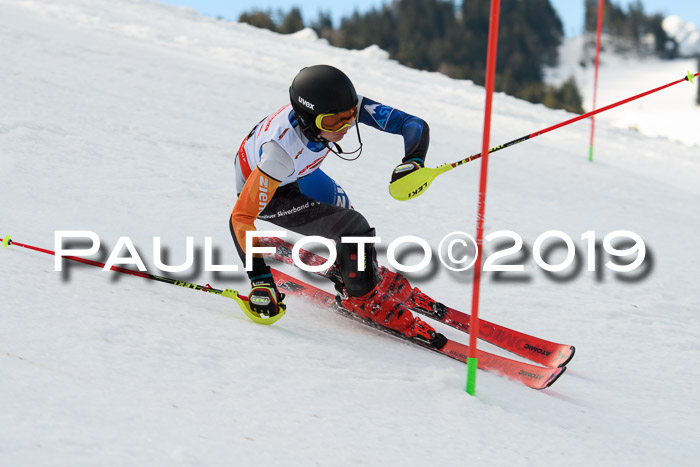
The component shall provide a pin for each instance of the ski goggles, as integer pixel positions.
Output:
(336, 122)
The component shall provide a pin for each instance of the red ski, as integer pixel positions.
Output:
(531, 375)
(533, 348)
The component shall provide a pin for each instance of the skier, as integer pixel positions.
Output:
(278, 179)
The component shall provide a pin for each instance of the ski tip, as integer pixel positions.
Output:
(6, 241)
(571, 355)
(555, 376)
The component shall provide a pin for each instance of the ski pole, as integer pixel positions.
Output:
(242, 300)
(416, 183)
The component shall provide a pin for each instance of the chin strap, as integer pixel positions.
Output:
(340, 150)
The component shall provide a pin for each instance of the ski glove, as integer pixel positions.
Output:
(264, 298)
(404, 169)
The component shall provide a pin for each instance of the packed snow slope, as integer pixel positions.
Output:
(123, 118)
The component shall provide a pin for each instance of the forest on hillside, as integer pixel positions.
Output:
(451, 38)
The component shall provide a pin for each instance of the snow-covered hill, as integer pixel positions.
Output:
(673, 115)
(686, 35)
(122, 117)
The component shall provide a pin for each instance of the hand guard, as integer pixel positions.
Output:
(264, 298)
(404, 169)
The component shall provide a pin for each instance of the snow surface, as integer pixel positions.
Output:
(123, 117)
(671, 113)
(686, 35)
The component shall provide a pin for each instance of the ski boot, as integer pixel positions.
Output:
(414, 299)
(386, 310)
(365, 292)
(425, 333)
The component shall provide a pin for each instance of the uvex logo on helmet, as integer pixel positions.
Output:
(306, 103)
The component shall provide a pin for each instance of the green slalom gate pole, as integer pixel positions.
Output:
(241, 300)
(595, 79)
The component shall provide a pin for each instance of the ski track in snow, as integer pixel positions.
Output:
(123, 118)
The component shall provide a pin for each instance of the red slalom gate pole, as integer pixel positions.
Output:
(595, 79)
(472, 362)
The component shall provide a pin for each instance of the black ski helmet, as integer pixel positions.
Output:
(320, 89)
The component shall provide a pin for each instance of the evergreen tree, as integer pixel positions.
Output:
(437, 35)
(629, 28)
(292, 22)
(569, 97)
(374, 27)
(285, 23)
(259, 19)
(323, 25)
